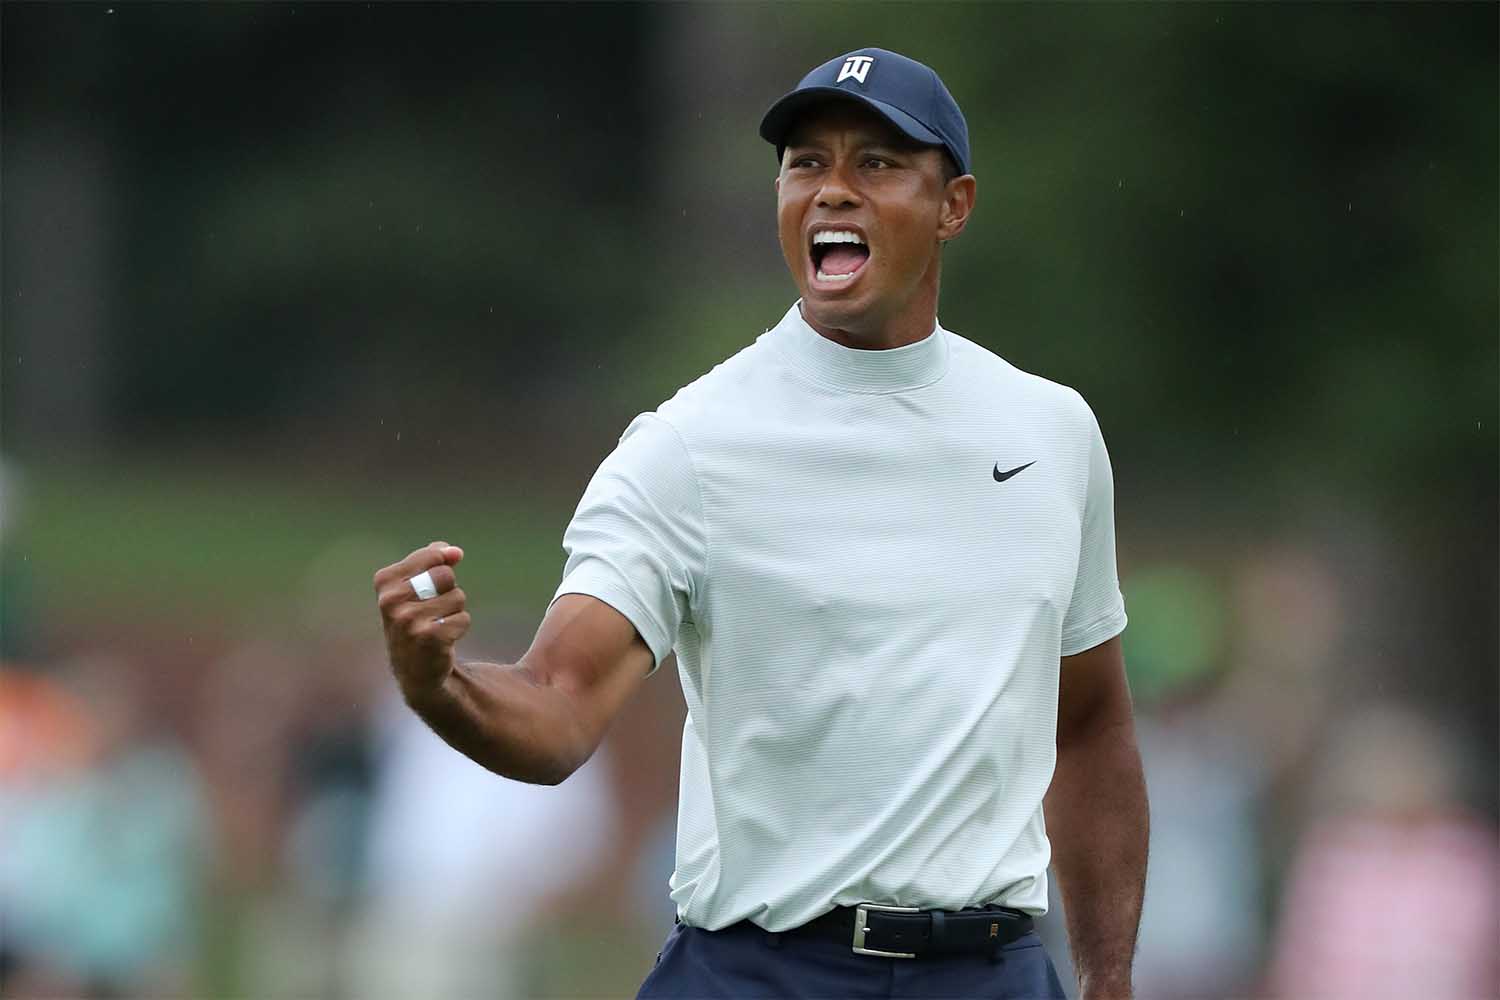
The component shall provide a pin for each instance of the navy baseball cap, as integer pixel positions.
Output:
(903, 91)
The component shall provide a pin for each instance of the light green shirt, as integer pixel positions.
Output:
(868, 607)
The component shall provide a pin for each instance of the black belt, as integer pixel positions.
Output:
(906, 932)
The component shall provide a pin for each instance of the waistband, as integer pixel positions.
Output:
(907, 932)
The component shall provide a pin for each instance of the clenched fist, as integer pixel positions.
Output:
(419, 634)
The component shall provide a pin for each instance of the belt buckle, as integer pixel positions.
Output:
(861, 913)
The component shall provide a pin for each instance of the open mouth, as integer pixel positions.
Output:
(838, 254)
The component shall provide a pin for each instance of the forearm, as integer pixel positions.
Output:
(504, 719)
(1098, 822)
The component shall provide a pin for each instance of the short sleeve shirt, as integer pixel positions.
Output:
(869, 564)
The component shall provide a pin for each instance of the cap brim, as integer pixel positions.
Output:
(778, 121)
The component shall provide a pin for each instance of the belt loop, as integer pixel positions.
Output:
(938, 930)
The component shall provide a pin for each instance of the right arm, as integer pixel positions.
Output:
(537, 720)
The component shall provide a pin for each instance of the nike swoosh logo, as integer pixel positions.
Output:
(1001, 477)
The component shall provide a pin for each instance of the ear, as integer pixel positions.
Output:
(777, 183)
(958, 204)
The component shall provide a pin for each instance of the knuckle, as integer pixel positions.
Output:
(390, 598)
(443, 578)
(459, 597)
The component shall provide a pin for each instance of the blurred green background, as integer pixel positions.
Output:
(290, 289)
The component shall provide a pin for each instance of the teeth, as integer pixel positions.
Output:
(836, 236)
(834, 277)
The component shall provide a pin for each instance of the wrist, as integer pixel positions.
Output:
(428, 691)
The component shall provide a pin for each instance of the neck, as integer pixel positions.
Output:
(913, 322)
(859, 369)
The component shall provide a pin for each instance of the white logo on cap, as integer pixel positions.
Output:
(857, 67)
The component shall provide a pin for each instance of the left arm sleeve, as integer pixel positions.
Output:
(1096, 612)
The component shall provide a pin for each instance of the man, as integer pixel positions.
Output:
(885, 559)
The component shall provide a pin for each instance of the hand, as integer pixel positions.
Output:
(419, 635)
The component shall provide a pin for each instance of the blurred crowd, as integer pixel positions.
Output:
(194, 811)
(279, 825)
(263, 817)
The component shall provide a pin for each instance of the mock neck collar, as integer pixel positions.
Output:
(894, 369)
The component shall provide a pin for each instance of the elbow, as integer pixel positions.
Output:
(555, 775)
(570, 753)
(553, 769)
(535, 773)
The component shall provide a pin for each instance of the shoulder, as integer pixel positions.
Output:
(725, 392)
(1038, 397)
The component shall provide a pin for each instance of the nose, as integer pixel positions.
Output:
(838, 191)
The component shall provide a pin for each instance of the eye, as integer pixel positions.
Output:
(876, 163)
(804, 161)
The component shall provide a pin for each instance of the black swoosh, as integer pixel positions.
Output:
(1001, 477)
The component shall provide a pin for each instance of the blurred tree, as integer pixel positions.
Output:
(1260, 237)
(312, 208)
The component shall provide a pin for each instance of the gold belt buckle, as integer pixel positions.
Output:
(861, 914)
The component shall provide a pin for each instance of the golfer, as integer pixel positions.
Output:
(885, 558)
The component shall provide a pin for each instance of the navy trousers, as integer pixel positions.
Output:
(747, 963)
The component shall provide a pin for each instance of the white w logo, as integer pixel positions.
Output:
(857, 67)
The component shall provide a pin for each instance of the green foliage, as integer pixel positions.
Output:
(1260, 239)
(1177, 634)
(149, 540)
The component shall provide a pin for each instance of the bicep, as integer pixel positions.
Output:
(591, 654)
(1092, 691)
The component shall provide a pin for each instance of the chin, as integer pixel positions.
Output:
(836, 313)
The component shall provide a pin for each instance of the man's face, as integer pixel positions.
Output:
(848, 171)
